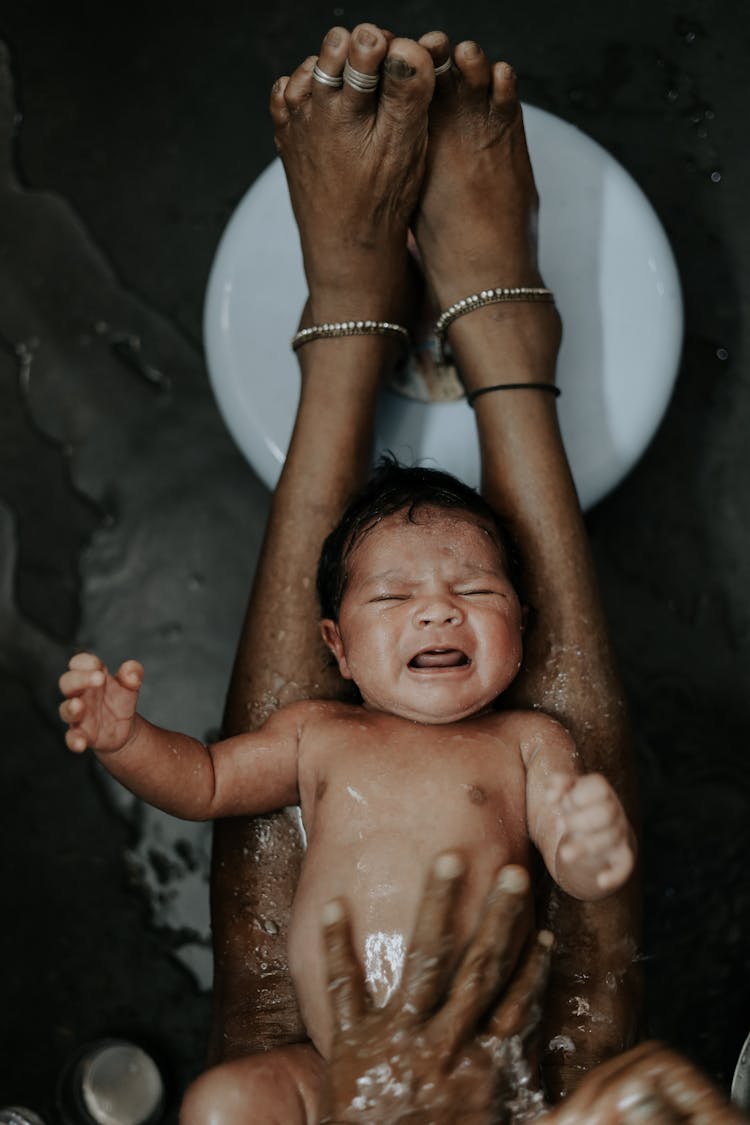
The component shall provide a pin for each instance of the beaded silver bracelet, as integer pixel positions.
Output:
(487, 297)
(349, 328)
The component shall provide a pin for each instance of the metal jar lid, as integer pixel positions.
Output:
(19, 1115)
(741, 1079)
(112, 1082)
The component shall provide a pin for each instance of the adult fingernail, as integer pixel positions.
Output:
(396, 67)
(332, 913)
(449, 866)
(333, 38)
(471, 49)
(513, 879)
(366, 38)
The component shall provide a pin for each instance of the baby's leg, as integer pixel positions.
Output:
(280, 1087)
(476, 230)
(354, 163)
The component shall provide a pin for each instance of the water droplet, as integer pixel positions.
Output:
(688, 30)
(722, 354)
(672, 95)
(716, 176)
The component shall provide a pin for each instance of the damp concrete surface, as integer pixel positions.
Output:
(130, 523)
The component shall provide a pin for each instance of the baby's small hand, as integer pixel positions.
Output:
(99, 708)
(597, 835)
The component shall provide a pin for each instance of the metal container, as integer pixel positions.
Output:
(19, 1115)
(741, 1080)
(111, 1082)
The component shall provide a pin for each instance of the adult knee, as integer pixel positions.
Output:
(278, 1087)
(218, 1097)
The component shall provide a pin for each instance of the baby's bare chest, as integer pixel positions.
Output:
(379, 778)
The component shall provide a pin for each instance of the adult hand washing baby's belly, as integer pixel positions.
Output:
(379, 867)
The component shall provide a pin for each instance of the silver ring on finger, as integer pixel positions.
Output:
(335, 81)
(366, 83)
(444, 67)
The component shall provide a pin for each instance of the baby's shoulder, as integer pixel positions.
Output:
(529, 725)
(312, 714)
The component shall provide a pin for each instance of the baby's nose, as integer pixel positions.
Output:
(439, 612)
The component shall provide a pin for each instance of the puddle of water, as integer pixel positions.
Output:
(123, 400)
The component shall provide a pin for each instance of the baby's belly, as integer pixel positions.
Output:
(382, 880)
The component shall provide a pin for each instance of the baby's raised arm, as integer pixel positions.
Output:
(575, 820)
(249, 774)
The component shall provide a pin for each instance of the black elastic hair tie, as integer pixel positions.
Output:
(550, 388)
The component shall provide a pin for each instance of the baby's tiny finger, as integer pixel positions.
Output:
(590, 789)
(75, 741)
(557, 784)
(70, 710)
(600, 843)
(75, 682)
(130, 674)
(84, 662)
(582, 821)
(570, 851)
(609, 880)
(621, 863)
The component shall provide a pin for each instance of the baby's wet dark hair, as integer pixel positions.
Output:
(396, 488)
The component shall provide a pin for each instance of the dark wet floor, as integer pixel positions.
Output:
(129, 521)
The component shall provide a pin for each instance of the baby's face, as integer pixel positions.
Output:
(430, 625)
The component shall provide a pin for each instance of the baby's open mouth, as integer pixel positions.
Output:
(439, 658)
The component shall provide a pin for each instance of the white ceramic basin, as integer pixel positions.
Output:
(602, 250)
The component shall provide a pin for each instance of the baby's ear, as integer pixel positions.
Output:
(329, 630)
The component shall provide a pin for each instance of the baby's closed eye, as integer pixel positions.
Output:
(481, 592)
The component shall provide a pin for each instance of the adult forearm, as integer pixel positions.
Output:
(329, 456)
(569, 667)
(569, 670)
